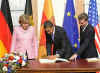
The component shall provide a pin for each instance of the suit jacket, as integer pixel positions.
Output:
(87, 45)
(25, 40)
(61, 43)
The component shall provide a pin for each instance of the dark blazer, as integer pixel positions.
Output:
(87, 45)
(61, 43)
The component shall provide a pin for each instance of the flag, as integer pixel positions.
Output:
(93, 20)
(28, 10)
(97, 37)
(6, 28)
(7, 14)
(47, 15)
(70, 25)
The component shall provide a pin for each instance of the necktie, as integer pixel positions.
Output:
(52, 46)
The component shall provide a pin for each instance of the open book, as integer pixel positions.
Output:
(53, 61)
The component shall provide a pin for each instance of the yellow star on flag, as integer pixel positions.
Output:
(75, 45)
(75, 17)
(79, 39)
(68, 14)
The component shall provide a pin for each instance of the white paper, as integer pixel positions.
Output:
(52, 61)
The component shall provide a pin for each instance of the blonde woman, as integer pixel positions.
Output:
(24, 38)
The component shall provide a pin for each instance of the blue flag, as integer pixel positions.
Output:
(93, 13)
(70, 25)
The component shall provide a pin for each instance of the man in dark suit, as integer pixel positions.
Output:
(87, 36)
(57, 43)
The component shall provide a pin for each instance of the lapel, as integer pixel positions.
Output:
(55, 34)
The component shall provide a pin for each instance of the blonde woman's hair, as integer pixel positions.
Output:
(24, 19)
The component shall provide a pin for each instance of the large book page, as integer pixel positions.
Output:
(53, 60)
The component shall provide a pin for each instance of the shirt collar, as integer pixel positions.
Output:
(85, 27)
(53, 33)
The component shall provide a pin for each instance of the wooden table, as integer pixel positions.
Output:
(62, 67)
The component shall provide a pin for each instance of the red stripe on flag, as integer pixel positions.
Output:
(44, 18)
(42, 34)
(97, 38)
(97, 46)
(97, 34)
(5, 34)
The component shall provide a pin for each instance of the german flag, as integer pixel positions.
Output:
(6, 28)
(47, 15)
(28, 10)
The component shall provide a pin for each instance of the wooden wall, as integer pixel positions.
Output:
(79, 5)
